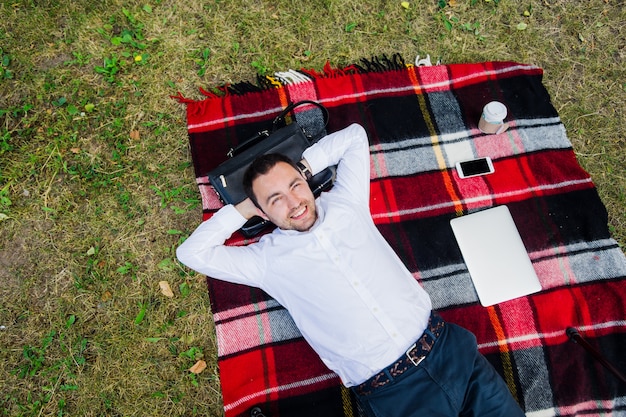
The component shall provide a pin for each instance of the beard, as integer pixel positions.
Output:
(301, 219)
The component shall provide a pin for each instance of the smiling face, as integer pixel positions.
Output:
(285, 198)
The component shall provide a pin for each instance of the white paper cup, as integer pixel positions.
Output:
(492, 120)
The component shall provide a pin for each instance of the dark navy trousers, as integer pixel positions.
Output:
(453, 380)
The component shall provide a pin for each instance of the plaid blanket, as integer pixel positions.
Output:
(420, 121)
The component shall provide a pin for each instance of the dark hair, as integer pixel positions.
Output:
(261, 166)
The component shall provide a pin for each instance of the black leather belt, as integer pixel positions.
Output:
(412, 357)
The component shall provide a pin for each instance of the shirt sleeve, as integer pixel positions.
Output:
(349, 150)
(204, 251)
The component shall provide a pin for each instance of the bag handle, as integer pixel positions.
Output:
(291, 107)
(280, 118)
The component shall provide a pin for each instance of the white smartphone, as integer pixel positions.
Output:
(474, 167)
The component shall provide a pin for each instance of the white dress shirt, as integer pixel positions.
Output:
(350, 295)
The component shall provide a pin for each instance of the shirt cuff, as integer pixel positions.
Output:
(316, 158)
(229, 218)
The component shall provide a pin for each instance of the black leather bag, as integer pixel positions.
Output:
(290, 140)
(227, 178)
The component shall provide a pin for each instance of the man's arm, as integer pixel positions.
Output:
(204, 251)
(349, 150)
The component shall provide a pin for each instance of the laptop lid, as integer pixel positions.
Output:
(495, 255)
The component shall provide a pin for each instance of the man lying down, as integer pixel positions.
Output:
(350, 295)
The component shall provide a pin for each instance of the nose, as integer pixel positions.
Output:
(292, 201)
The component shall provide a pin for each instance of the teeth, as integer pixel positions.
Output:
(300, 212)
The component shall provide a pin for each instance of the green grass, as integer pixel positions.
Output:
(97, 189)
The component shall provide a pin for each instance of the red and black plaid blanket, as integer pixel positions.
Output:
(420, 121)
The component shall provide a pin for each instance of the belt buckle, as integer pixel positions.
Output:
(413, 361)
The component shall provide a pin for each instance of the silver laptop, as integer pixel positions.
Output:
(495, 255)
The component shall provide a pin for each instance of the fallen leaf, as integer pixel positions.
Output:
(198, 367)
(166, 290)
(405, 4)
(75, 150)
(522, 26)
(134, 134)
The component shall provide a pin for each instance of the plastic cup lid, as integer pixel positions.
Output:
(494, 112)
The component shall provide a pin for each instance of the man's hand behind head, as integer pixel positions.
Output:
(247, 209)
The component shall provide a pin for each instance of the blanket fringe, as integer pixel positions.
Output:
(395, 63)
(279, 79)
(182, 99)
(242, 88)
(209, 93)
